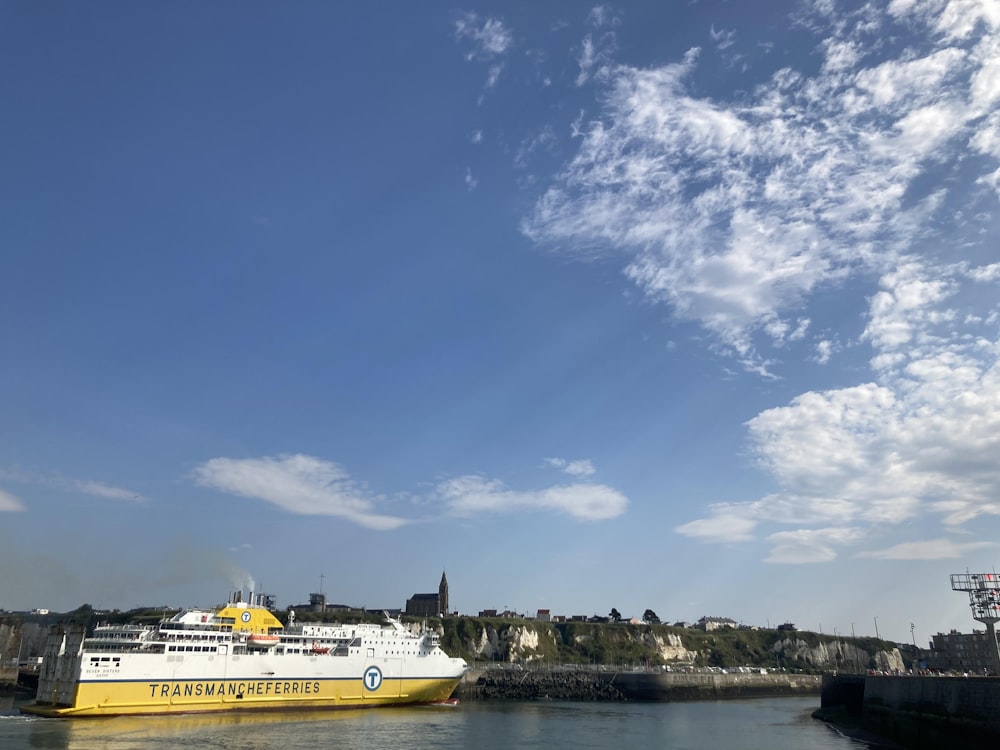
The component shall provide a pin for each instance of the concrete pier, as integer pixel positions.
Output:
(920, 712)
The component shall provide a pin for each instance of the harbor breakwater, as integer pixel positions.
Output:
(629, 686)
(916, 711)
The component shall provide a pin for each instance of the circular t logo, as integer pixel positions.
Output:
(245, 617)
(372, 678)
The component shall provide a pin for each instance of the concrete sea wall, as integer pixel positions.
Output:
(630, 686)
(917, 711)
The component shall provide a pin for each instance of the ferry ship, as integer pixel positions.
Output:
(239, 657)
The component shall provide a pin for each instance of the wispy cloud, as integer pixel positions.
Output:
(307, 485)
(9, 502)
(579, 468)
(66, 484)
(474, 495)
(809, 545)
(488, 37)
(299, 484)
(929, 549)
(720, 527)
(723, 38)
(596, 54)
(487, 40)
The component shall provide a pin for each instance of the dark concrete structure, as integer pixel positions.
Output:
(916, 711)
(508, 683)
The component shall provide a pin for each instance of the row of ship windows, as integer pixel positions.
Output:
(194, 637)
(213, 649)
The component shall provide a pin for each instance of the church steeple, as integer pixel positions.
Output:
(443, 594)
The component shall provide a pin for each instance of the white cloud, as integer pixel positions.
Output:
(824, 350)
(930, 549)
(544, 139)
(493, 75)
(81, 486)
(9, 502)
(602, 15)
(299, 484)
(809, 545)
(959, 18)
(986, 273)
(489, 37)
(488, 40)
(472, 495)
(579, 468)
(734, 213)
(99, 489)
(595, 57)
(907, 299)
(720, 527)
(723, 38)
(307, 485)
(922, 442)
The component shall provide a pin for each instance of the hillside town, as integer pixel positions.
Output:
(973, 653)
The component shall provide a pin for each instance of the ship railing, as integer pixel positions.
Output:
(124, 627)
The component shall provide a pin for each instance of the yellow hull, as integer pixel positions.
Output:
(119, 698)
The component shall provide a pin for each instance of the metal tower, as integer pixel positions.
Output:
(984, 598)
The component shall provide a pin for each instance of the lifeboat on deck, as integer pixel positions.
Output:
(263, 640)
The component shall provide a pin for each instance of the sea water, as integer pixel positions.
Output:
(760, 724)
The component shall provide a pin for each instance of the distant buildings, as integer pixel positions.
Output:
(961, 652)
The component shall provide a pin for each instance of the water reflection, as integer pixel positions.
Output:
(774, 724)
(255, 731)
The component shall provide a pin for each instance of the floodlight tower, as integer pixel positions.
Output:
(984, 598)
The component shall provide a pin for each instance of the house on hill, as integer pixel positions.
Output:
(715, 623)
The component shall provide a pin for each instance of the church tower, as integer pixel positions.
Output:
(443, 595)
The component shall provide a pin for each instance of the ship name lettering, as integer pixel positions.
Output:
(222, 689)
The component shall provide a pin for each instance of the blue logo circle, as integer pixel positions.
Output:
(372, 678)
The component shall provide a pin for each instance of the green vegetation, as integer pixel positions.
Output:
(616, 644)
(611, 643)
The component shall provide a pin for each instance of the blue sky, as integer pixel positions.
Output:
(683, 306)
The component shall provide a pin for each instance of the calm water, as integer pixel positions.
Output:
(765, 724)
